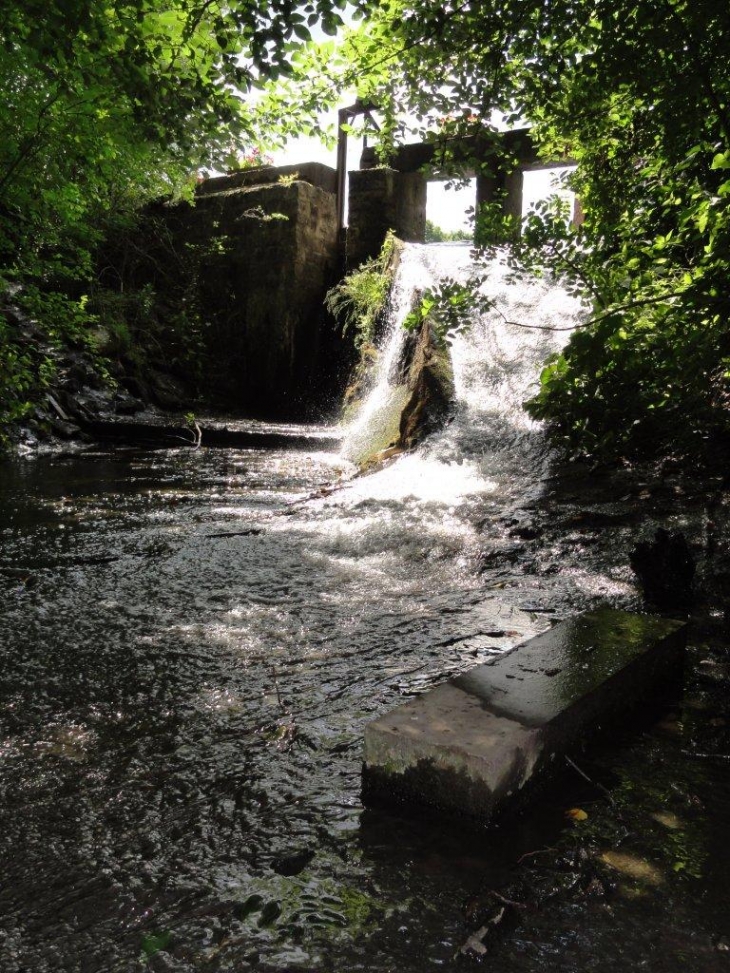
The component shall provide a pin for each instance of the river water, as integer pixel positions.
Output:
(192, 642)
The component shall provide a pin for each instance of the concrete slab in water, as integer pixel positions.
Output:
(473, 744)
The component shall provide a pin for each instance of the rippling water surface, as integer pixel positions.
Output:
(192, 642)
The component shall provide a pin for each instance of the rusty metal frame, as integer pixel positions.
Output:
(344, 116)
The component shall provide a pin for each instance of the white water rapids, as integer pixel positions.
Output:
(496, 364)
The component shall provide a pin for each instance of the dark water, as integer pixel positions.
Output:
(191, 642)
(190, 650)
(187, 666)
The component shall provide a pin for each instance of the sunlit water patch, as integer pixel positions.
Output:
(192, 643)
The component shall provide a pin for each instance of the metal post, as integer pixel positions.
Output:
(343, 116)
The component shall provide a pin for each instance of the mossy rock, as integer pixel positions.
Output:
(419, 402)
(431, 389)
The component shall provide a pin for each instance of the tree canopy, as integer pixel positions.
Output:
(638, 93)
(105, 106)
(104, 100)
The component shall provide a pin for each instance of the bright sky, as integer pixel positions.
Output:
(446, 207)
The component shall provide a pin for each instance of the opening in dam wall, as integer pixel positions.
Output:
(395, 197)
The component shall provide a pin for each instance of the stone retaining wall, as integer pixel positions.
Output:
(269, 253)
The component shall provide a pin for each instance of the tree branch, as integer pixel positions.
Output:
(619, 309)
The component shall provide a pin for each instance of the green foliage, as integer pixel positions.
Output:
(359, 300)
(493, 227)
(27, 363)
(154, 942)
(638, 93)
(449, 308)
(237, 159)
(107, 106)
(288, 180)
(20, 378)
(150, 298)
(434, 234)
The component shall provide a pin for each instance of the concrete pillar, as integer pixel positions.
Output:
(381, 200)
(262, 283)
(489, 185)
(513, 187)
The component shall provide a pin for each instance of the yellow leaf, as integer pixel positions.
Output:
(576, 814)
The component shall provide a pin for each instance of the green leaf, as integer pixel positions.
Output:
(154, 942)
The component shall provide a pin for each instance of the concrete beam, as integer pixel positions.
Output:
(473, 745)
(314, 173)
(462, 153)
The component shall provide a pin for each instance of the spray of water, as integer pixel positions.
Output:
(496, 361)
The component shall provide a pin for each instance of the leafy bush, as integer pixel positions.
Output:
(359, 300)
(449, 307)
(107, 106)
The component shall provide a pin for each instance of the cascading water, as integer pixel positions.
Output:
(496, 364)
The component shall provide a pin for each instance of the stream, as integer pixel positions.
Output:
(193, 640)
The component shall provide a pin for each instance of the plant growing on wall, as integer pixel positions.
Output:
(359, 300)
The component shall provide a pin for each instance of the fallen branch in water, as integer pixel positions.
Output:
(197, 435)
(474, 945)
(531, 854)
(707, 756)
(504, 901)
(593, 783)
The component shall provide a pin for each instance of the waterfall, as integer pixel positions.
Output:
(496, 361)
(415, 272)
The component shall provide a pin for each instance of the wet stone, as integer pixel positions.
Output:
(473, 744)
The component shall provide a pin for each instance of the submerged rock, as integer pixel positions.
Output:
(293, 863)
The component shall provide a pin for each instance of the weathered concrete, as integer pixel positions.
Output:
(473, 744)
(466, 154)
(314, 173)
(382, 200)
(497, 159)
(266, 254)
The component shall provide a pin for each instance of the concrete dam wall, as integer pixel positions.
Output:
(269, 252)
(270, 244)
